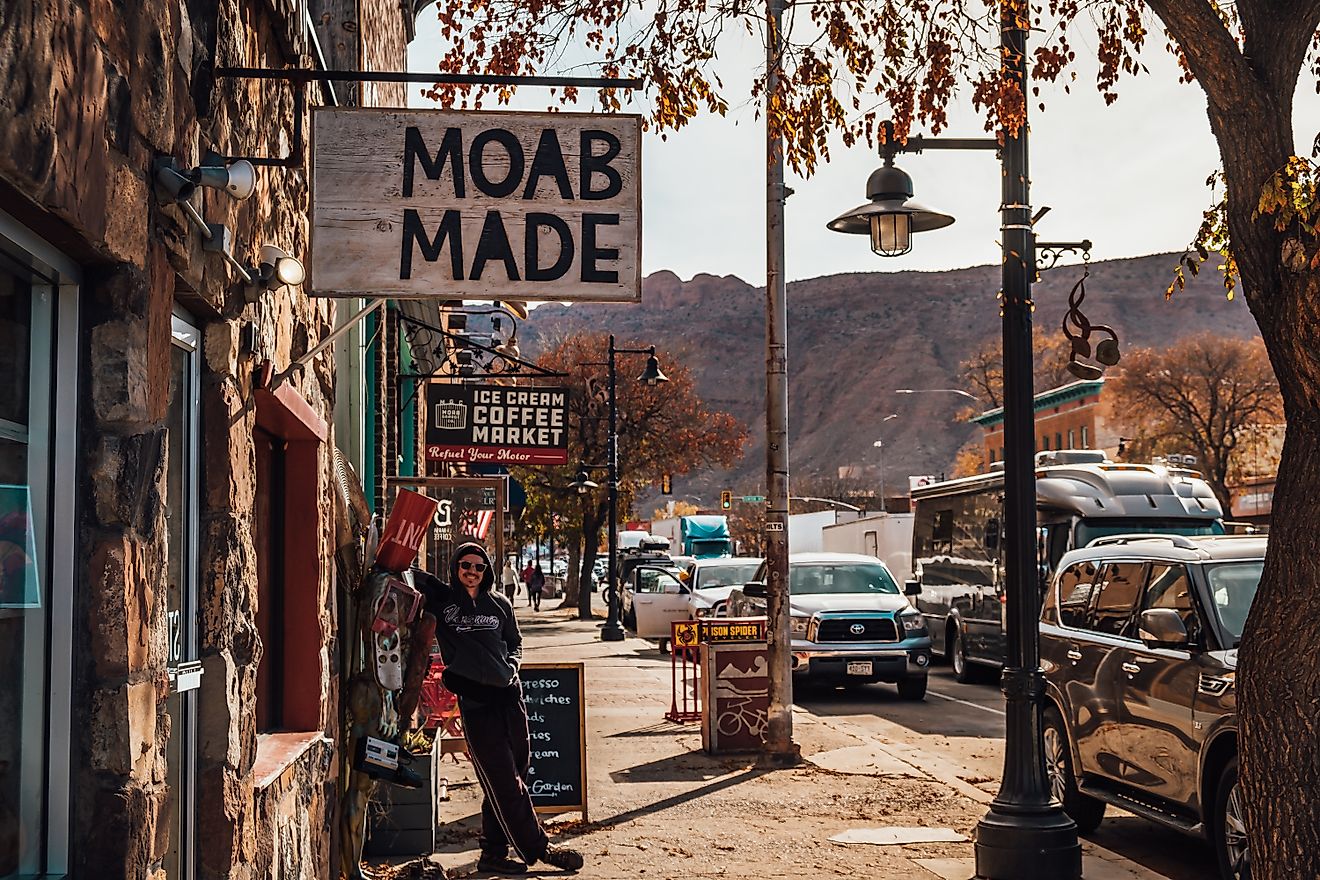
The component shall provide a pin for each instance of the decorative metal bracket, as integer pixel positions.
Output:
(1048, 253)
(493, 363)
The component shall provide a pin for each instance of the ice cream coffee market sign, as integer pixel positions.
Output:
(492, 423)
(476, 205)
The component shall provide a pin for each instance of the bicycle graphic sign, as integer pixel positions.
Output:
(737, 697)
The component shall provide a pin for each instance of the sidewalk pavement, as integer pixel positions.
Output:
(661, 809)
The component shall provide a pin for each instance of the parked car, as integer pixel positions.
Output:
(712, 580)
(850, 622)
(1138, 640)
(653, 597)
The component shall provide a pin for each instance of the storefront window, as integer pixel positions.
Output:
(24, 387)
(38, 300)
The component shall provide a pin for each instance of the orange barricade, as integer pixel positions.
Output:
(684, 672)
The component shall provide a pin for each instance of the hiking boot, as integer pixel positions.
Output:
(493, 864)
(563, 858)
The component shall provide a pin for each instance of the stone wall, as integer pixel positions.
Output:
(94, 92)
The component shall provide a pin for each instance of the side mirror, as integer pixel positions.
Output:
(755, 589)
(1162, 628)
(912, 588)
(674, 588)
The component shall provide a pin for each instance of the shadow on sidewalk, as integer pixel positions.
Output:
(662, 728)
(747, 775)
(685, 767)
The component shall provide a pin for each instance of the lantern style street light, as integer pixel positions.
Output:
(1026, 833)
(890, 217)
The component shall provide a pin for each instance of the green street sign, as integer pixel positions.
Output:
(753, 499)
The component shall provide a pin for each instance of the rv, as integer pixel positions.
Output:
(958, 526)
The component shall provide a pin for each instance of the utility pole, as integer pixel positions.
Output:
(779, 745)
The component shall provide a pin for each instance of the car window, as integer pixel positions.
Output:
(724, 575)
(1169, 587)
(1115, 604)
(1075, 587)
(653, 580)
(1232, 589)
(825, 578)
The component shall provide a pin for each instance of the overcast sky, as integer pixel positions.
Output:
(1130, 177)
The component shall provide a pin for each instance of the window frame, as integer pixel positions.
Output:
(52, 270)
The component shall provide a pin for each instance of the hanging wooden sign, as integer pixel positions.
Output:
(476, 205)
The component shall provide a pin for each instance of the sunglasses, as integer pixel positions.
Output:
(478, 567)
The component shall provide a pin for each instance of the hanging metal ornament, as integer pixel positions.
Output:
(1105, 351)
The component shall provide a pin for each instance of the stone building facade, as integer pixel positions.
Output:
(169, 706)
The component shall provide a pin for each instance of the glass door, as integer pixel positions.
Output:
(185, 670)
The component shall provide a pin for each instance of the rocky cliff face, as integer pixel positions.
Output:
(855, 338)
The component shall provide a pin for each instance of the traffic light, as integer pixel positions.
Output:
(666, 485)
(726, 499)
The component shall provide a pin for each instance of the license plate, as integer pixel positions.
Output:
(859, 667)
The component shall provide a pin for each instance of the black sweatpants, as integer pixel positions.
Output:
(498, 744)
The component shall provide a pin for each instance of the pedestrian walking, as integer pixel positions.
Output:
(527, 581)
(510, 578)
(535, 586)
(482, 650)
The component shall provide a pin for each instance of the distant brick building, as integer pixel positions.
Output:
(169, 701)
(1072, 416)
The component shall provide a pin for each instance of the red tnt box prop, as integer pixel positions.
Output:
(405, 530)
(685, 669)
(736, 698)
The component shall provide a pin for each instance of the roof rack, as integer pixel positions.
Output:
(1179, 541)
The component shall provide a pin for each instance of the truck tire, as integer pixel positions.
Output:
(912, 688)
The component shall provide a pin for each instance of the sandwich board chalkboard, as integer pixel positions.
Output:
(557, 724)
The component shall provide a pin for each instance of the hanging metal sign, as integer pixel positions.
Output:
(476, 205)
(495, 423)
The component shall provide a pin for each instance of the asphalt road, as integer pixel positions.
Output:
(963, 725)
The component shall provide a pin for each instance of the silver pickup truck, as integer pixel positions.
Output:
(850, 623)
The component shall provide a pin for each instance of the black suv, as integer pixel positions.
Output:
(1138, 640)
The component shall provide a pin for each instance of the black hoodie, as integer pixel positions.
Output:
(479, 638)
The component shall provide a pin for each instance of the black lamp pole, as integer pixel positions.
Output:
(1026, 833)
(612, 631)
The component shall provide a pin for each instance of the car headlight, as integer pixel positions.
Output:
(797, 626)
(912, 622)
(701, 612)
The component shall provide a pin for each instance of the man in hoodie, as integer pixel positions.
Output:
(482, 650)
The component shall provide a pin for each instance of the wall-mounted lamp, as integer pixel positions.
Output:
(174, 183)
(275, 268)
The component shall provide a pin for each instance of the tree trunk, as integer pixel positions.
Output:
(1279, 673)
(1249, 93)
(572, 583)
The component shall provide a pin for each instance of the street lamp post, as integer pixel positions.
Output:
(1026, 833)
(612, 631)
(879, 445)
